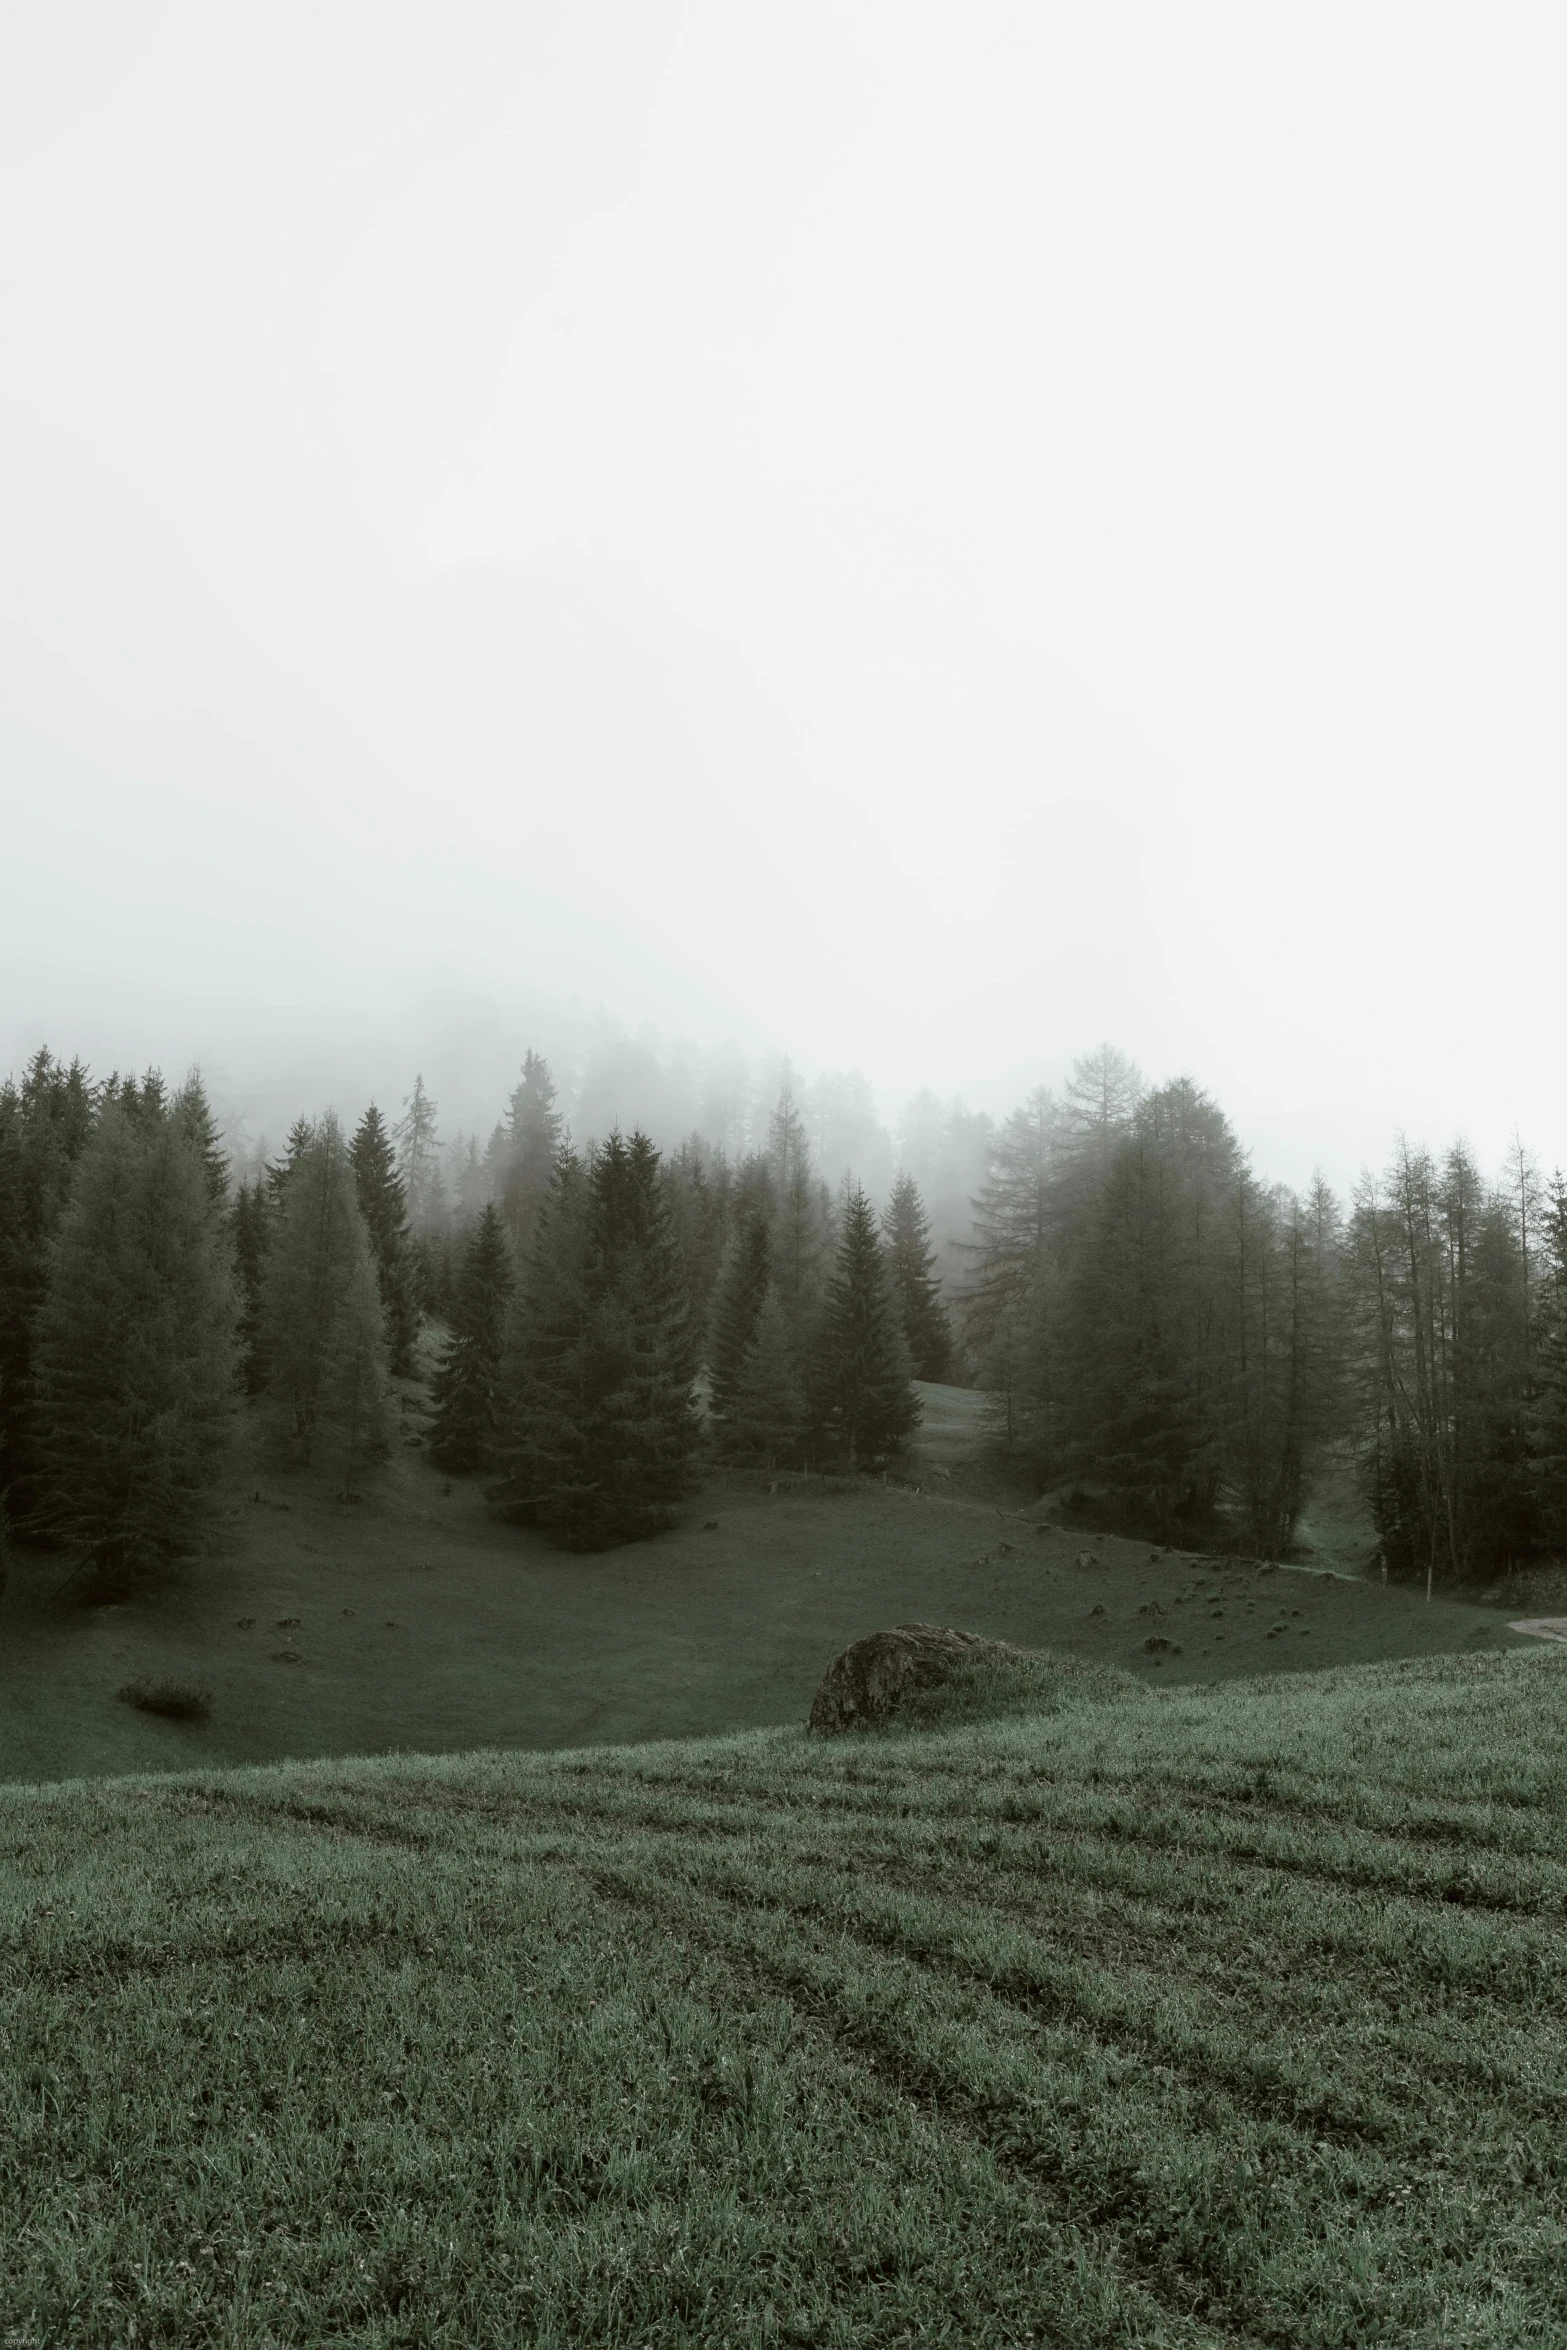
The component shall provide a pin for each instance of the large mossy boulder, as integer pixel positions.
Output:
(922, 1676)
(874, 1676)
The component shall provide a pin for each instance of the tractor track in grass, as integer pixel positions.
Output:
(1198, 2313)
(1155, 2251)
(1083, 2019)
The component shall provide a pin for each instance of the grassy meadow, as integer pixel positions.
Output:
(413, 1621)
(1219, 2016)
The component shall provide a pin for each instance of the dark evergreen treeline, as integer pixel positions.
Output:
(1154, 1323)
(577, 1297)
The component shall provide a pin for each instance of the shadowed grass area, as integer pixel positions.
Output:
(1206, 2016)
(414, 1621)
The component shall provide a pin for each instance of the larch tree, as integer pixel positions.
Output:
(467, 1390)
(323, 1339)
(1012, 1214)
(137, 1348)
(418, 1142)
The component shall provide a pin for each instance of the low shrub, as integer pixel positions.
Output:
(1539, 1590)
(177, 1701)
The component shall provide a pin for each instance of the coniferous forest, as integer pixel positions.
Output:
(1161, 1334)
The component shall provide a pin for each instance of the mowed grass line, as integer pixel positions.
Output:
(1225, 2016)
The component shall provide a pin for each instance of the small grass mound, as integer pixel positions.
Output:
(177, 1701)
(997, 1683)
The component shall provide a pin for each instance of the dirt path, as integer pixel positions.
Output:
(1543, 1627)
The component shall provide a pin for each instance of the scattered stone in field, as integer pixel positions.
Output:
(710, 1525)
(1150, 1607)
(348, 1611)
(286, 1624)
(1157, 1643)
(1095, 1610)
(866, 1683)
(1005, 1549)
(287, 1656)
(247, 1623)
(1085, 1558)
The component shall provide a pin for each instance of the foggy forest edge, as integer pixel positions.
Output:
(1179, 1342)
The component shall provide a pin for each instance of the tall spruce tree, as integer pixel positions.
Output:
(45, 1122)
(768, 1418)
(523, 1150)
(467, 1390)
(871, 1407)
(195, 1114)
(912, 1262)
(602, 1421)
(698, 1210)
(743, 1277)
(137, 1356)
(383, 1202)
(322, 1334)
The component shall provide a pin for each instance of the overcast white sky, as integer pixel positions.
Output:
(918, 537)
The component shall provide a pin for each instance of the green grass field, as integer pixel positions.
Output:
(1202, 2016)
(413, 1621)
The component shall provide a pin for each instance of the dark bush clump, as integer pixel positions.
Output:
(175, 1700)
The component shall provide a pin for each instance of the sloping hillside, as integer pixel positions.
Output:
(417, 1620)
(1206, 2016)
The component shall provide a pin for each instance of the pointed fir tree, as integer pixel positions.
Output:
(383, 1202)
(912, 1263)
(467, 1388)
(871, 1408)
(743, 1275)
(194, 1112)
(601, 1419)
(546, 1375)
(698, 1207)
(769, 1415)
(523, 1150)
(137, 1357)
(279, 1170)
(322, 1336)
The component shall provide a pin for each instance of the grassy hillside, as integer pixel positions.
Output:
(1204, 2016)
(417, 1623)
(414, 1621)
